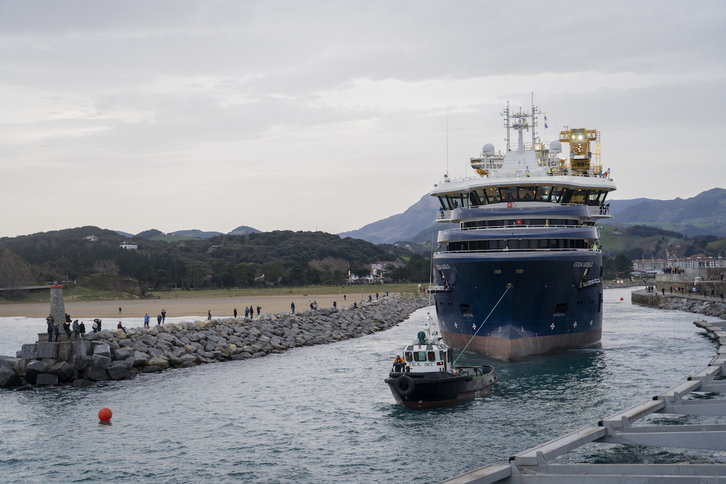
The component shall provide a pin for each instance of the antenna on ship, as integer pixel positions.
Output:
(447, 145)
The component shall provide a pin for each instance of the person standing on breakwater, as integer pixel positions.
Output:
(259, 308)
(94, 326)
(51, 324)
(158, 319)
(56, 330)
(146, 321)
(209, 314)
(76, 329)
(82, 330)
(163, 316)
(247, 311)
(292, 307)
(235, 313)
(335, 304)
(67, 328)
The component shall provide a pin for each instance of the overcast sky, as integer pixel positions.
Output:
(330, 115)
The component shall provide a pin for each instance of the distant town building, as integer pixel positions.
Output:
(129, 246)
(92, 238)
(690, 263)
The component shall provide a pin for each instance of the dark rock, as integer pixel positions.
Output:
(118, 371)
(81, 362)
(141, 359)
(101, 361)
(122, 353)
(102, 349)
(9, 379)
(46, 379)
(81, 383)
(63, 370)
(151, 369)
(95, 374)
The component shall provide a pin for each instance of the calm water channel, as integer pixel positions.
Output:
(323, 414)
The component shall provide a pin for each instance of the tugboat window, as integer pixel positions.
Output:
(409, 356)
(419, 356)
(432, 356)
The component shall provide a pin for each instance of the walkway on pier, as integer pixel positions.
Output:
(532, 466)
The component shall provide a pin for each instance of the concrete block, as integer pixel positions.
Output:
(81, 363)
(47, 350)
(81, 347)
(29, 352)
(65, 351)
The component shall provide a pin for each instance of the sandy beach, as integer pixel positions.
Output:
(194, 307)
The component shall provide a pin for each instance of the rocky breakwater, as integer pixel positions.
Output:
(119, 355)
(708, 308)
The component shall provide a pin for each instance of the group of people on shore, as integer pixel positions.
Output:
(249, 312)
(160, 319)
(73, 329)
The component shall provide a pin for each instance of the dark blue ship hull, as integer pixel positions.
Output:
(511, 304)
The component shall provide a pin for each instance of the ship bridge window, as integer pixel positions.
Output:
(492, 194)
(579, 196)
(544, 192)
(432, 356)
(556, 195)
(409, 356)
(527, 193)
(566, 195)
(419, 356)
(509, 194)
(596, 197)
(475, 199)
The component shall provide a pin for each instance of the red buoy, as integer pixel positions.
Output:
(105, 414)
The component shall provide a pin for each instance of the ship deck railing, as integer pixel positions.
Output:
(534, 465)
(594, 210)
(490, 227)
(515, 250)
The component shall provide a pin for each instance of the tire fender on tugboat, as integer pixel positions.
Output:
(404, 385)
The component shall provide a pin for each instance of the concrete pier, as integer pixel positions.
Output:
(532, 466)
(57, 306)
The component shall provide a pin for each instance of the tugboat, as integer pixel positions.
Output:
(425, 377)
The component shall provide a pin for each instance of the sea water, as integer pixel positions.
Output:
(324, 414)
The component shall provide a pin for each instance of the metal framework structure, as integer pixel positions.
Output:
(533, 467)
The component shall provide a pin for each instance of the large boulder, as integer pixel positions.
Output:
(95, 373)
(102, 349)
(122, 353)
(63, 370)
(141, 359)
(9, 379)
(46, 379)
(118, 370)
(34, 369)
(159, 361)
(101, 361)
(81, 362)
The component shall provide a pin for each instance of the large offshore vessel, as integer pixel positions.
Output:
(522, 273)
